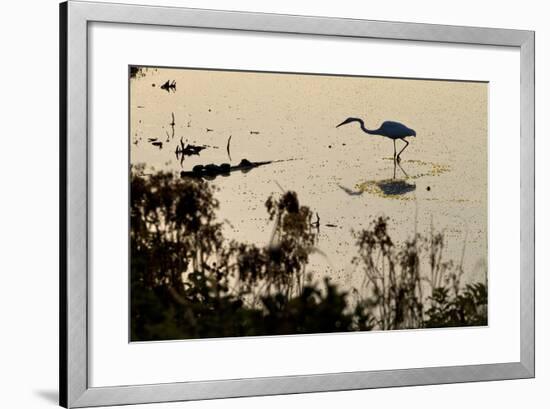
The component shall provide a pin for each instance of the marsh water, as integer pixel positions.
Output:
(344, 175)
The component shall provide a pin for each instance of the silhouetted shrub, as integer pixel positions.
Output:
(467, 308)
(400, 296)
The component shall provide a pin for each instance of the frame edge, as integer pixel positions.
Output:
(63, 368)
(75, 261)
(287, 385)
(527, 177)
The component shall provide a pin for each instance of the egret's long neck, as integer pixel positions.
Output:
(364, 128)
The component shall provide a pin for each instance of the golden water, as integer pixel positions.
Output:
(343, 174)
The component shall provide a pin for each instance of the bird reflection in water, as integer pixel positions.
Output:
(394, 186)
(386, 188)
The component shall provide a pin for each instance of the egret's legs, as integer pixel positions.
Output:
(402, 170)
(401, 151)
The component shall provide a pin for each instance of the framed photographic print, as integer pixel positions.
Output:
(257, 204)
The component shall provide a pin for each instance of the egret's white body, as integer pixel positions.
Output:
(388, 129)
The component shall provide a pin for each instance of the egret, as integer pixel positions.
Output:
(389, 129)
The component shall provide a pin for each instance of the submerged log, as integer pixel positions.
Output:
(224, 169)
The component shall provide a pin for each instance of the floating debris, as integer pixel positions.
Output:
(192, 150)
(209, 130)
(182, 150)
(228, 151)
(316, 223)
(208, 170)
(189, 149)
(254, 132)
(169, 86)
(173, 126)
(330, 225)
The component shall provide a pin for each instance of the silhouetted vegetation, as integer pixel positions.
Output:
(136, 71)
(188, 281)
(401, 296)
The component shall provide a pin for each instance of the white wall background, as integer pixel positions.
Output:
(29, 202)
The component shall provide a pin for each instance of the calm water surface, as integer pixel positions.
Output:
(344, 175)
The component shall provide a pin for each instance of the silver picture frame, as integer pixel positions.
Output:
(75, 390)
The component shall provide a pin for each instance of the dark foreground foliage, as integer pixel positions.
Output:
(188, 281)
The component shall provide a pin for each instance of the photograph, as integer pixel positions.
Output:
(283, 203)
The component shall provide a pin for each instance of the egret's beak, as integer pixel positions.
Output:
(349, 121)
